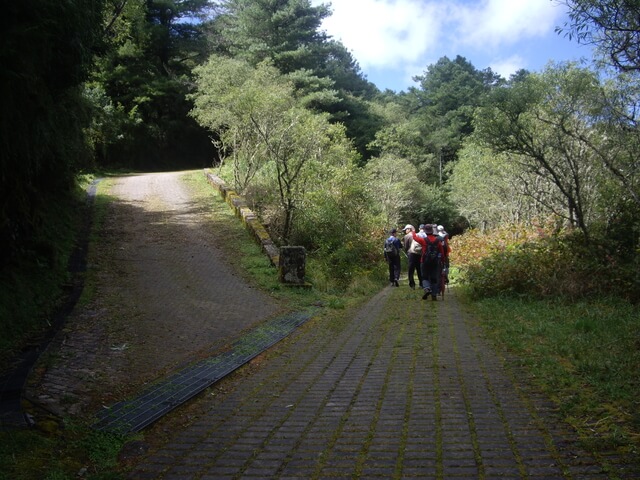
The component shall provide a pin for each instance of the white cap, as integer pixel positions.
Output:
(409, 227)
(440, 228)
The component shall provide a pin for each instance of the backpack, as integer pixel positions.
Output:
(431, 255)
(390, 248)
(445, 244)
(415, 247)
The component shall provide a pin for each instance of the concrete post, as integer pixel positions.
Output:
(291, 265)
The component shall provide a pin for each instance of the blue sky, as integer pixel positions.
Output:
(394, 40)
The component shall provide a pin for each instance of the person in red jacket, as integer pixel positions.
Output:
(432, 254)
(443, 236)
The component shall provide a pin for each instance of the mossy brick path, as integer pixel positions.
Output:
(383, 394)
(160, 398)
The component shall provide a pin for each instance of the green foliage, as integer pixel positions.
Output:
(26, 305)
(571, 137)
(394, 187)
(142, 78)
(232, 96)
(313, 92)
(428, 125)
(515, 260)
(490, 188)
(361, 120)
(284, 31)
(335, 224)
(433, 205)
(339, 65)
(45, 50)
(612, 26)
(274, 141)
(562, 344)
(62, 455)
(450, 90)
(288, 34)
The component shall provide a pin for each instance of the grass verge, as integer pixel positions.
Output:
(76, 453)
(254, 265)
(584, 355)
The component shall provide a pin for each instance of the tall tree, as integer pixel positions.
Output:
(257, 113)
(613, 26)
(46, 50)
(285, 31)
(288, 33)
(449, 92)
(145, 75)
(541, 120)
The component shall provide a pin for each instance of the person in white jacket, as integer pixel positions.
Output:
(414, 253)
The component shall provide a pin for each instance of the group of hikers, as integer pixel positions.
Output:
(427, 253)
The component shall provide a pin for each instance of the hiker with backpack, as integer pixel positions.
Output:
(443, 236)
(432, 253)
(414, 254)
(392, 248)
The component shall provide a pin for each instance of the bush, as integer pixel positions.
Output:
(516, 260)
(32, 284)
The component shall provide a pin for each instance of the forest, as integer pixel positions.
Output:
(537, 170)
(536, 178)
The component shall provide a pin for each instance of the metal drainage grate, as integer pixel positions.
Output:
(162, 397)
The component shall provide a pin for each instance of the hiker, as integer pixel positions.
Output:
(392, 248)
(444, 239)
(432, 253)
(421, 231)
(414, 254)
(443, 236)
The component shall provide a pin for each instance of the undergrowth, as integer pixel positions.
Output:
(73, 452)
(584, 355)
(515, 260)
(33, 282)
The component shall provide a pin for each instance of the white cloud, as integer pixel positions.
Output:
(507, 66)
(383, 33)
(389, 33)
(494, 23)
(393, 40)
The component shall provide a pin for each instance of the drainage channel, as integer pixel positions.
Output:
(159, 399)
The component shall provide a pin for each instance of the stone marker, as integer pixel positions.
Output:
(291, 265)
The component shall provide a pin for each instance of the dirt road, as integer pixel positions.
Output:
(164, 295)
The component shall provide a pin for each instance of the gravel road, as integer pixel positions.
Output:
(164, 294)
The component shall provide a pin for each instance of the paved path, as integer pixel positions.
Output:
(380, 395)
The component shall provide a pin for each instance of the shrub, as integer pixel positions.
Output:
(516, 260)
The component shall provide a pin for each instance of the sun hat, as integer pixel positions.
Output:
(428, 228)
